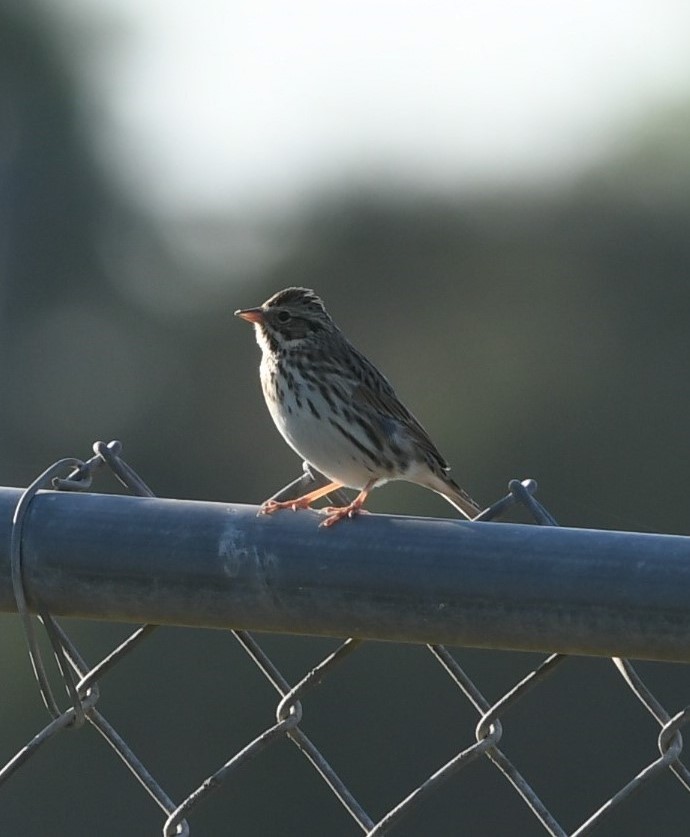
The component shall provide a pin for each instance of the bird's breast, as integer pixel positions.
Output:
(316, 418)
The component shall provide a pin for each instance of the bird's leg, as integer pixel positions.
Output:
(336, 513)
(304, 502)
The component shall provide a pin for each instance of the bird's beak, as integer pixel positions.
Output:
(251, 315)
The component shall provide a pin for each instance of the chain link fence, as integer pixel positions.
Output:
(80, 681)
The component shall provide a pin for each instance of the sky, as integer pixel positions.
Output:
(209, 105)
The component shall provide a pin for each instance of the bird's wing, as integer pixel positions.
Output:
(394, 417)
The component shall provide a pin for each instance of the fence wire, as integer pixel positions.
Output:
(81, 683)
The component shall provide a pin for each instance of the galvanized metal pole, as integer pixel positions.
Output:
(406, 579)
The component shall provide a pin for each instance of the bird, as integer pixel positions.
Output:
(337, 411)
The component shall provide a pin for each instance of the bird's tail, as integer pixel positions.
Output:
(460, 499)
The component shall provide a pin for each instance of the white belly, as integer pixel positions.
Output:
(315, 439)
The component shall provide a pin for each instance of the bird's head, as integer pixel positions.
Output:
(293, 314)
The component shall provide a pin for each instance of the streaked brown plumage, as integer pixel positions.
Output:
(337, 411)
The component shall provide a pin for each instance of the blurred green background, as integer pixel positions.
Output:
(537, 326)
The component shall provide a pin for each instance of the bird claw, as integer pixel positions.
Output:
(336, 513)
(270, 506)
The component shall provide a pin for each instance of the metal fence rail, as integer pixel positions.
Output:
(415, 580)
(490, 585)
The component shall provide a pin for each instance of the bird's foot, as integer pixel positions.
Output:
(336, 513)
(303, 502)
(270, 506)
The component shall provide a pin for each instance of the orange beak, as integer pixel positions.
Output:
(251, 315)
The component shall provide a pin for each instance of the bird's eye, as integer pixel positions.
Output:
(283, 316)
